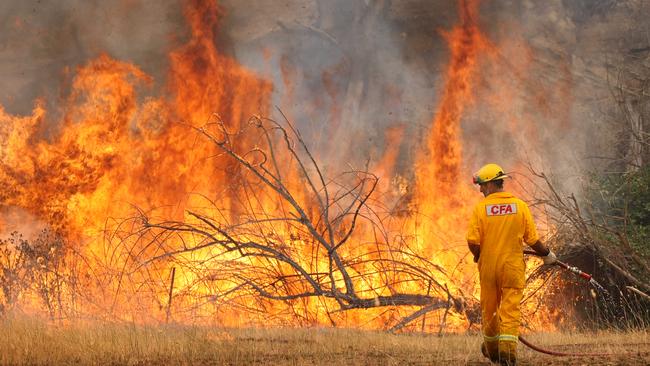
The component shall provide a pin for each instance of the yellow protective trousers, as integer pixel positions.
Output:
(500, 225)
(501, 317)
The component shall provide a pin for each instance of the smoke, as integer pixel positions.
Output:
(547, 98)
(348, 71)
(42, 42)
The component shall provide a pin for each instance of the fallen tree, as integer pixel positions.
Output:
(286, 233)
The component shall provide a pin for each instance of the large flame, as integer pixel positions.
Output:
(117, 149)
(120, 146)
(444, 195)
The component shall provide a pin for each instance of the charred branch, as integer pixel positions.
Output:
(300, 251)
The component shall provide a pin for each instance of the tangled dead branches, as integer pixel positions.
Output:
(286, 232)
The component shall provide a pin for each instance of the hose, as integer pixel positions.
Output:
(586, 277)
(556, 353)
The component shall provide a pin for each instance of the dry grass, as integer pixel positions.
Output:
(29, 341)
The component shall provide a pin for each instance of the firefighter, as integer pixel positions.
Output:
(499, 227)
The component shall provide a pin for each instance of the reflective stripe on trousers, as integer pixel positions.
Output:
(501, 337)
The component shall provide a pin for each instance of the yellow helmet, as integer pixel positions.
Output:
(488, 173)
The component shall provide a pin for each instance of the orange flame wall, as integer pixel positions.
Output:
(116, 148)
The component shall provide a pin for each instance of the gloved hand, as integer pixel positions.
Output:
(550, 258)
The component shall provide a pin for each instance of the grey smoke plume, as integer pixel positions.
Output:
(360, 67)
(346, 71)
(43, 41)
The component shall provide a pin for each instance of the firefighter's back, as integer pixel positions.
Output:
(503, 223)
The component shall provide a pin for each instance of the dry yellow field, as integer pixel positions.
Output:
(33, 342)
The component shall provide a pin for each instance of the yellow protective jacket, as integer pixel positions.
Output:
(500, 225)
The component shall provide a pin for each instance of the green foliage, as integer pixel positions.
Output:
(624, 201)
(638, 197)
